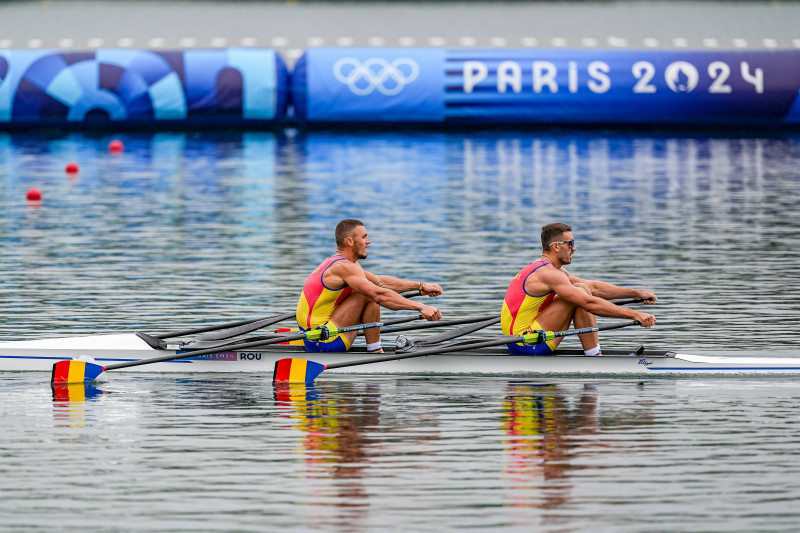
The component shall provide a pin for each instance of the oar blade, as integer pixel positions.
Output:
(73, 371)
(291, 370)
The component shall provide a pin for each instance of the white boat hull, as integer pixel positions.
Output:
(40, 355)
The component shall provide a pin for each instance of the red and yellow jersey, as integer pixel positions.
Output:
(317, 302)
(520, 308)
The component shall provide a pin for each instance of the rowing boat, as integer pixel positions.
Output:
(40, 355)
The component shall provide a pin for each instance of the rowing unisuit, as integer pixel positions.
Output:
(317, 302)
(520, 310)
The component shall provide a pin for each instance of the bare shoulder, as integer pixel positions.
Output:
(554, 277)
(544, 280)
(346, 268)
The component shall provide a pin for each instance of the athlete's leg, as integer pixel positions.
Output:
(372, 313)
(585, 319)
(352, 311)
(560, 314)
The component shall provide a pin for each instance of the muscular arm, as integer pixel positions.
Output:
(561, 283)
(399, 285)
(608, 291)
(364, 283)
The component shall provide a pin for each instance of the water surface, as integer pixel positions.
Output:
(183, 229)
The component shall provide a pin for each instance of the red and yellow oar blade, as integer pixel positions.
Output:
(73, 371)
(296, 371)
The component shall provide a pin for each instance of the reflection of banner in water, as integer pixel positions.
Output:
(377, 178)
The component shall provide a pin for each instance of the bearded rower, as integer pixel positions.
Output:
(341, 293)
(544, 296)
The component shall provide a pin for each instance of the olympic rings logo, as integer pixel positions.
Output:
(375, 74)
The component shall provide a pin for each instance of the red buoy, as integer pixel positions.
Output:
(72, 167)
(116, 146)
(34, 195)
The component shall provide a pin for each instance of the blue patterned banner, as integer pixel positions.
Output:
(369, 85)
(234, 85)
(548, 86)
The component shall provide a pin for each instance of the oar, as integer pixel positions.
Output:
(233, 329)
(440, 323)
(76, 371)
(630, 301)
(404, 344)
(291, 370)
(246, 327)
(227, 325)
(219, 332)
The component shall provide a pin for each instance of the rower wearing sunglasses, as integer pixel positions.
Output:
(544, 296)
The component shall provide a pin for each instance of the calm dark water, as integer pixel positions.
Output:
(182, 229)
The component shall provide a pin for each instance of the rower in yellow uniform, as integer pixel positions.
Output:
(341, 293)
(544, 296)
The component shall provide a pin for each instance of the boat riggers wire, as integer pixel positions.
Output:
(219, 332)
(403, 344)
(291, 370)
(77, 371)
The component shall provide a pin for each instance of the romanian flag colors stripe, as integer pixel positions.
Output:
(296, 371)
(75, 392)
(287, 331)
(72, 371)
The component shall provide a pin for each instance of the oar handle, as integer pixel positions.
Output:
(541, 336)
(631, 301)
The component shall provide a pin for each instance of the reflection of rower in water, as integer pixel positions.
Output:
(335, 441)
(540, 426)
